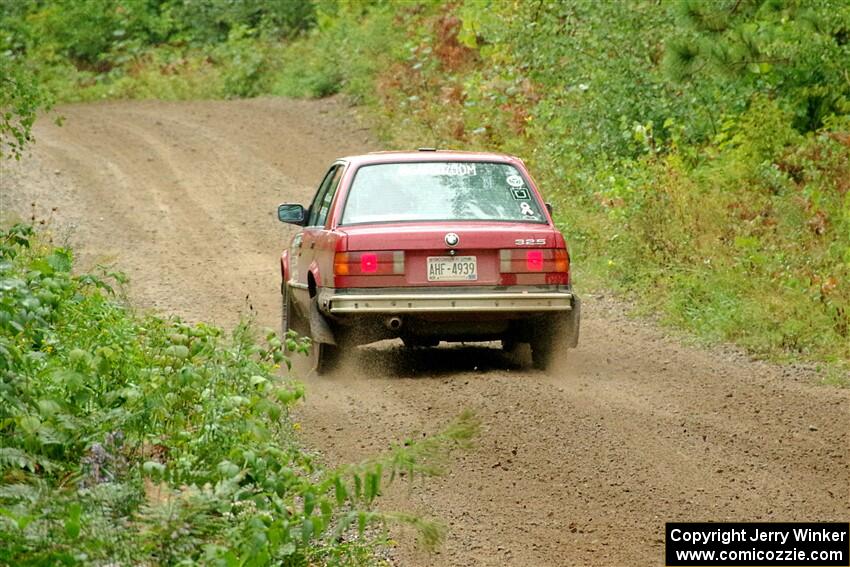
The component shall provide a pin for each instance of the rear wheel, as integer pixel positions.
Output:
(541, 353)
(552, 340)
(324, 357)
(546, 341)
(285, 311)
(321, 357)
(289, 318)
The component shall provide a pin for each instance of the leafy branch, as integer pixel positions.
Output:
(20, 99)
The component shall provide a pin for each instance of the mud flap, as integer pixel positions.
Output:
(572, 323)
(320, 331)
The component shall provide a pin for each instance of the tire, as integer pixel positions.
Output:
(285, 311)
(541, 353)
(545, 342)
(321, 357)
(573, 324)
(556, 337)
(324, 358)
(289, 318)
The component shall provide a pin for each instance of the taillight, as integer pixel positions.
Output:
(562, 260)
(534, 260)
(368, 263)
(520, 260)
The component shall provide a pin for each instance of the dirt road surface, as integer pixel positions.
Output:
(577, 467)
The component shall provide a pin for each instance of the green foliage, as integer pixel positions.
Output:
(134, 439)
(795, 51)
(93, 49)
(83, 31)
(20, 98)
(214, 21)
(99, 32)
(697, 152)
(339, 56)
(244, 64)
(598, 65)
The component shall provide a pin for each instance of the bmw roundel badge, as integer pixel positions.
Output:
(452, 239)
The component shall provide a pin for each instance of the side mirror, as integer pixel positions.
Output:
(549, 208)
(291, 213)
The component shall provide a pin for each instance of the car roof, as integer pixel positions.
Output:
(428, 155)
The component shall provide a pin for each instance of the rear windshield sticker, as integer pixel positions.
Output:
(453, 169)
(520, 194)
(526, 209)
(514, 181)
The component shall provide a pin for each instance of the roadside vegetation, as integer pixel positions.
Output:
(127, 438)
(131, 438)
(697, 153)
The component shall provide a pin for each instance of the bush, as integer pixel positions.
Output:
(134, 439)
(20, 98)
(716, 194)
(93, 49)
(682, 143)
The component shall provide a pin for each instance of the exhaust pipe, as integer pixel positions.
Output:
(393, 323)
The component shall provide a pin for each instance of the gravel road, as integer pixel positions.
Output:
(581, 466)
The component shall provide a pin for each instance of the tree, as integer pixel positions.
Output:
(795, 51)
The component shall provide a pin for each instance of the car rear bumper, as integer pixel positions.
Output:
(446, 300)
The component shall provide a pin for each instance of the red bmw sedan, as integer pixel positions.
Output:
(427, 246)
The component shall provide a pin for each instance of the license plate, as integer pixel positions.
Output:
(452, 268)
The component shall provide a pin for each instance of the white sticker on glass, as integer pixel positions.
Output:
(514, 181)
(454, 169)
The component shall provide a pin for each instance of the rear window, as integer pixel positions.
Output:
(432, 191)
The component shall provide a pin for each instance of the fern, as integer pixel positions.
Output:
(11, 457)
